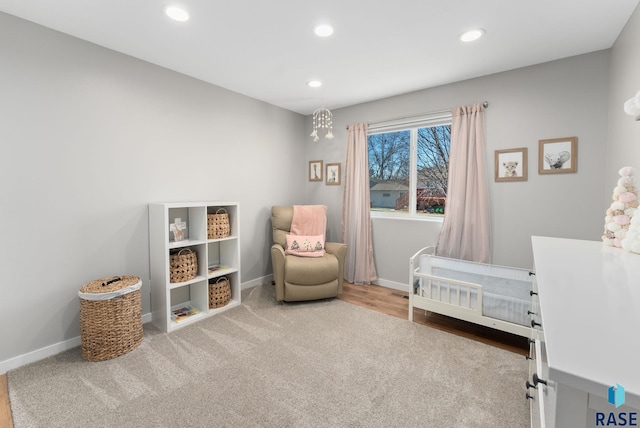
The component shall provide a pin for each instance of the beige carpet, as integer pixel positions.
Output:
(317, 364)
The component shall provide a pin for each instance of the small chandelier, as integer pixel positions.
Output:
(322, 119)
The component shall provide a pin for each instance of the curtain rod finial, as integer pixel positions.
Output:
(485, 104)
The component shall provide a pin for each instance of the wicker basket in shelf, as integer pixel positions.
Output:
(110, 317)
(183, 265)
(219, 292)
(218, 224)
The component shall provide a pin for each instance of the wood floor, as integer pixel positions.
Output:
(5, 410)
(381, 299)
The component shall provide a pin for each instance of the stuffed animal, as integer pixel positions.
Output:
(621, 211)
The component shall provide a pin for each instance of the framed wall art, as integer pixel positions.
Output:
(315, 170)
(558, 155)
(511, 165)
(333, 174)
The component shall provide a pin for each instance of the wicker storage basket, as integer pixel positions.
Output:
(183, 265)
(110, 317)
(219, 292)
(218, 224)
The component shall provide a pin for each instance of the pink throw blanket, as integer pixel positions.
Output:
(309, 220)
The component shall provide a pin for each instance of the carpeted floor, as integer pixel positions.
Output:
(263, 364)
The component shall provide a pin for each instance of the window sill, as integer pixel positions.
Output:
(405, 216)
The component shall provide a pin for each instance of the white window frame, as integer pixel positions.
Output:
(411, 124)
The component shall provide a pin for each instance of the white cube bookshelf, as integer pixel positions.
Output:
(216, 258)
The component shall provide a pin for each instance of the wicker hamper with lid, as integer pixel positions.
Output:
(110, 317)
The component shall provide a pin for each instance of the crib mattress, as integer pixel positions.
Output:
(505, 291)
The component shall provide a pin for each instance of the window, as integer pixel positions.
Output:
(408, 166)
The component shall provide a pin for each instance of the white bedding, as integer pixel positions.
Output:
(505, 291)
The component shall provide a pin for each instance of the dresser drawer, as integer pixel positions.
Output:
(536, 406)
(547, 388)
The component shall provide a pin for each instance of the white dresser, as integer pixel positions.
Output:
(585, 334)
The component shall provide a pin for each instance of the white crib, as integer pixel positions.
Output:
(488, 295)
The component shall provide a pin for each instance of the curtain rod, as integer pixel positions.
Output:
(485, 104)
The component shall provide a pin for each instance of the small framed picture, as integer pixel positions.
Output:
(333, 174)
(178, 228)
(315, 170)
(511, 164)
(558, 155)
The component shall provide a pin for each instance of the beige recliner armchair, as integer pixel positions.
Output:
(303, 278)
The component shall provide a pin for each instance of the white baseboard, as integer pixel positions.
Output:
(258, 281)
(65, 345)
(392, 284)
(38, 354)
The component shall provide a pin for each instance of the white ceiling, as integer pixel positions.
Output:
(266, 49)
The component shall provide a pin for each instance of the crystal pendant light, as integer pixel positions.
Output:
(322, 119)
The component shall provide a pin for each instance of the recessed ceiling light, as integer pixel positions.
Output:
(323, 30)
(314, 83)
(176, 13)
(471, 35)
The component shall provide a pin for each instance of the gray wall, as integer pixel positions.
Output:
(89, 137)
(563, 98)
(623, 144)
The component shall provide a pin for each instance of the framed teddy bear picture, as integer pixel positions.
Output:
(511, 164)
